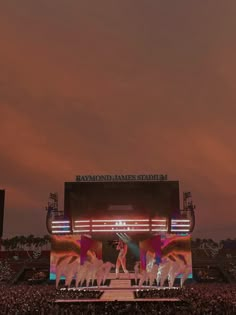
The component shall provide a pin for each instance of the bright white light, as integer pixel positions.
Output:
(80, 231)
(85, 225)
(60, 222)
(158, 224)
(82, 221)
(110, 225)
(159, 230)
(122, 230)
(176, 221)
(154, 220)
(177, 230)
(182, 225)
(60, 226)
(60, 232)
(128, 220)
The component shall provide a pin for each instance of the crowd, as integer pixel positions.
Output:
(40, 299)
(36, 277)
(232, 269)
(154, 293)
(209, 274)
(6, 271)
(71, 294)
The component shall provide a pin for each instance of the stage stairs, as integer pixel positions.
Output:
(119, 291)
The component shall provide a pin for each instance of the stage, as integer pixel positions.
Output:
(118, 241)
(161, 300)
(120, 290)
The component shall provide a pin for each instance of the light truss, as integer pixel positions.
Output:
(120, 225)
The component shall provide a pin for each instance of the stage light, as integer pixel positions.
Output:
(121, 230)
(115, 225)
(180, 220)
(61, 221)
(176, 230)
(127, 220)
(127, 235)
(181, 225)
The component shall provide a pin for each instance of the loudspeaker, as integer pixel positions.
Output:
(2, 200)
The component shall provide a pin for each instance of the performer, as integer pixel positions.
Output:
(71, 271)
(163, 271)
(143, 278)
(121, 259)
(152, 274)
(136, 272)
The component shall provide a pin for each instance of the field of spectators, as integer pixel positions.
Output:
(211, 263)
(40, 299)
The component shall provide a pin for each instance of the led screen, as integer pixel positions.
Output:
(69, 252)
(168, 254)
(129, 199)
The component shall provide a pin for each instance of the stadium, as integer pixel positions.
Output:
(123, 244)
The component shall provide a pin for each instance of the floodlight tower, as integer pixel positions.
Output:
(52, 211)
(188, 209)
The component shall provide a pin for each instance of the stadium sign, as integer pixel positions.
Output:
(120, 178)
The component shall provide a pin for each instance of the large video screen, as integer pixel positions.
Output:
(161, 258)
(170, 253)
(69, 252)
(106, 199)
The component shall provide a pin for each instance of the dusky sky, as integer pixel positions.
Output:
(118, 87)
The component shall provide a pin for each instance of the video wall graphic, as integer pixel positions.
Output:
(166, 254)
(69, 252)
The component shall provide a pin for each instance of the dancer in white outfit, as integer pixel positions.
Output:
(152, 274)
(107, 268)
(136, 272)
(163, 271)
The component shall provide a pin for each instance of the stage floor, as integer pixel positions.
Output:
(119, 299)
(119, 290)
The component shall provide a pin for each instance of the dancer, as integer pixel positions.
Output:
(143, 278)
(83, 274)
(61, 266)
(152, 274)
(163, 271)
(97, 264)
(136, 272)
(121, 259)
(107, 268)
(72, 268)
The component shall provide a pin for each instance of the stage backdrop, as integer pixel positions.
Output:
(150, 249)
(167, 248)
(72, 249)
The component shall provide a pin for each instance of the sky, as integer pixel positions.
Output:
(118, 87)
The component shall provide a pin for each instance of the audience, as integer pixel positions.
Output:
(40, 299)
(6, 271)
(197, 299)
